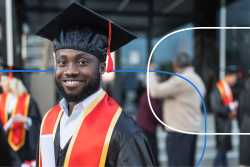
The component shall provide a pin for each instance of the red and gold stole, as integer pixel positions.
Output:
(226, 99)
(90, 142)
(17, 131)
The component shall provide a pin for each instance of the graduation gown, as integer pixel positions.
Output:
(8, 157)
(28, 151)
(243, 116)
(223, 123)
(128, 145)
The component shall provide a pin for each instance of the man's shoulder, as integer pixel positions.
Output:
(215, 89)
(32, 101)
(215, 92)
(127, 124)
(125, 127)
(127, 135)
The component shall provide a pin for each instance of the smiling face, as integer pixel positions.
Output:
(77, 74)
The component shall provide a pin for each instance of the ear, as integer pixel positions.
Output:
(102, 67)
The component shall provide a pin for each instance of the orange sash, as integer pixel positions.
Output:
(226, 99)
(90, 142)
(17, 132)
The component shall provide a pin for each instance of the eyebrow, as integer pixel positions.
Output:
(83, 54)
(77, 55)
(62, 56)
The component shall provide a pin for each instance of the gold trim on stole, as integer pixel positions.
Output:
(6, 109)
(108, 137)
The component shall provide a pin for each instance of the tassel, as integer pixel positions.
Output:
(10, 73)
(239, 73)
(110, 66)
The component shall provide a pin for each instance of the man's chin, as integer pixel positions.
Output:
(72, 93)
(73, 90)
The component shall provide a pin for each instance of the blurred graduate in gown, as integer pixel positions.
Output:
(224, 108)
(19, 115)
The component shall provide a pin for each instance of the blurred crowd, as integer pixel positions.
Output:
(179, 106)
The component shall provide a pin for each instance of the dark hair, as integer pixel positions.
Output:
(182, 60)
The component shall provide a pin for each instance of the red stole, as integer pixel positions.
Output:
(17, 131)
(226, 99)
(90, 142)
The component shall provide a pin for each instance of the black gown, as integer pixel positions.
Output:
(8, 157)
(243, 116)
(128, 145)
(28, 151)
(223, 123)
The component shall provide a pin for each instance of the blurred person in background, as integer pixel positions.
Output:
(139, 91)
(181, 109)
(20, 116)
(148, 122)
(243, 117)
(8, 157)
(224, 108)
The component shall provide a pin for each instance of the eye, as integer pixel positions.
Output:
(62, 62)
(82, 62)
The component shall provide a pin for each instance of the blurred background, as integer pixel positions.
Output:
(149, 20)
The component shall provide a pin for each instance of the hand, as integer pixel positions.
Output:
(20, 118)
(152, 66)
(236, 104)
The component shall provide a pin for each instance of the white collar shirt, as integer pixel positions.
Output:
(11, 102)
(228, 91)
(227, 88)
(68, 123)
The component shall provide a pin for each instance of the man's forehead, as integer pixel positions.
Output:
(73, 52)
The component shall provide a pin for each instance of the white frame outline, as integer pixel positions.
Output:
(185, 29)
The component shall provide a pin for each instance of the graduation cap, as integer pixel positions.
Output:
(11, 75)
(234, 69)
(80, 28)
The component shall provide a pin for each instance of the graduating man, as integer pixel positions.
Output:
(88, 126)
(19, 115)
(224, 108)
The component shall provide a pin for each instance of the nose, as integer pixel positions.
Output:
(72, 70)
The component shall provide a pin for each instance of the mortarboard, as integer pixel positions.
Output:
(17, 75)
(80, 28)
(234, 69)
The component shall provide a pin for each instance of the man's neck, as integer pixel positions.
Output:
(225, 80)
(71, 106)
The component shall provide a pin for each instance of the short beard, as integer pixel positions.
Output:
(86, 91)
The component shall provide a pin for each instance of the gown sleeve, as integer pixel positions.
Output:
(8, 157)
(240, 110)
(34, 130)
(216, 103)
(136, 152)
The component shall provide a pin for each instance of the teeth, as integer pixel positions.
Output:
(72, 82)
